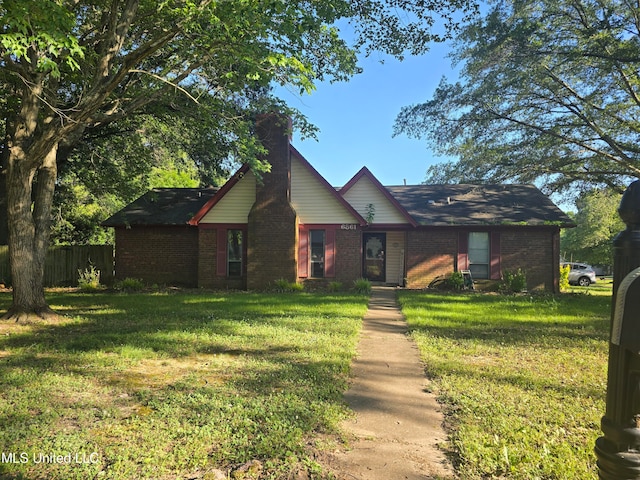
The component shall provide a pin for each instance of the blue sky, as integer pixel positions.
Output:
(356, 119)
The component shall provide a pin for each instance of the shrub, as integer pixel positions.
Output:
(362, 285)
(281, 285)
(564, 277)
(296, 287)
(89, 279)
(513, 282)
(284, 286)
(335, 286)
(129, 285)
(456, 281)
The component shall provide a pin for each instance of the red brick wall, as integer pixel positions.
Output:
(272, 224)
(535, 251)
(348, 256)
(430, 253)
(208, 262)
(186, 256)
(272, 247)
(162, 255)
(207, 248)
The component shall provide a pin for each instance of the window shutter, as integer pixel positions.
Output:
(329, 253)
(495, 272)
(221, 252)
(303, 252)
(463, 251)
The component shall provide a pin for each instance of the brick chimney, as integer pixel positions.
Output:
(273, 222)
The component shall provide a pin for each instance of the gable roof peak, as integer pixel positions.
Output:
(332, 191)
(221, 192)
(364, 172)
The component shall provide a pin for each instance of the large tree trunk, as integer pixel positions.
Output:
(4, 226)
(29, 199)
(31, 171)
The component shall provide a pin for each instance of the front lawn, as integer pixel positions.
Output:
(174, 385)
(522, 379)
(603, 286)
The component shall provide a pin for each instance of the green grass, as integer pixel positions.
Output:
(522, 379)
(603, 286)
(174, 385)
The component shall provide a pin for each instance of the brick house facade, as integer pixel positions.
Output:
(293, 225)
(158, 254)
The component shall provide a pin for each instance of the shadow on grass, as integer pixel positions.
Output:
(277, 357)
(491, 334)
(99, 322)
(524, 380)
(518, 320)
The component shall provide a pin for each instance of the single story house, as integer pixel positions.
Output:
(293, 225)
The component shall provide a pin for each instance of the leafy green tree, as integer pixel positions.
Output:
(77, 216)
(127, 159)
(75, 69)
(549, 92)
(597, 223)
(78, 212)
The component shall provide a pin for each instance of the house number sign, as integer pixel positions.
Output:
(349, 226)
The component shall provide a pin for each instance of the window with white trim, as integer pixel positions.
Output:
(479, 254)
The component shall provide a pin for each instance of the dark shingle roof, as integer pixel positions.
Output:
(479, 205)
(162, 206)
(436, 205)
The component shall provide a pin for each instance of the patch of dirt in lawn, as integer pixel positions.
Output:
(159, 373)
(397, 429)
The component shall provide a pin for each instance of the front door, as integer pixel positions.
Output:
(374, 261)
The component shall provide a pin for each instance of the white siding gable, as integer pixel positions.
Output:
(395, 257)
(364, 193)
(311, 199)
(234, 207)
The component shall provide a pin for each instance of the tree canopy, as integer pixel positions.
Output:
(597, 223)
(549, 92)
(75, 71)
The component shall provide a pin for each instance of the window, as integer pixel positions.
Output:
(316, 252)
(317, 240)
(479, 254)
(234, 253)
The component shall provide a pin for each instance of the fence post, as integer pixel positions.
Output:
(618, 450)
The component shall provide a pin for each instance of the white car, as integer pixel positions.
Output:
(581, 274)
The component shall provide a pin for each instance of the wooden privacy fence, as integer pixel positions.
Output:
(63, 263)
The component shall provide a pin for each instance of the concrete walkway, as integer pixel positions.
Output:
(397, 424)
